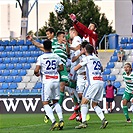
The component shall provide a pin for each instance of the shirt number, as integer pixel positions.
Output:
(51, 65)
(97, 65)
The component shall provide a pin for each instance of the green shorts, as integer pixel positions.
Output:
(127, 96)
(64, 75)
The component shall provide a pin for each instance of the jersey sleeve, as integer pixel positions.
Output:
(84, 62)
(38, 61)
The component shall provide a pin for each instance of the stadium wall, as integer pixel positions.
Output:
(33, 104)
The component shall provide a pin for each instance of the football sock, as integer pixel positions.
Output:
(61, 98)
(84, 111)
(49, 112)
(58, 110)
(125, 111)
(99, 112)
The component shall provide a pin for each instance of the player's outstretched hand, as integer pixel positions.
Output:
(73, 17)
(29, 37)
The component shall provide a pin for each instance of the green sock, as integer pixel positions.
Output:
(75, 100)
(61, 98)
(125, 111)
(72, 84)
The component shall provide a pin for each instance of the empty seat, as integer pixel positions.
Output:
(32, 48)
(113, 58)
(14, 60)
(13, 86)
(38, 85)
(106, 71)
(8, 48)
(30, 85)
(114, 71)
(2, 79)
(34, 92)
(16, 48)
(104, 77)
(7, 60)
(28, 42)
(2, 66)
(9, 66)
(2, 48)
(128, 46)
(17, 79)
(3, 54)
(26, 54)
(110, 65)
(5, 86)
(22, 72)
(119, 78)
(118, 65)
(31, 60)
(22, 60)
(33, 66)
(26, 79)
(6, 72)
(26, 66)
(34, 79)
(9, 79)
(129, 58)
(30, 72)
(18, 66)
(14, 72)
(130, 40)
(24, 48)
(18, 53)
(124, 40)
(25, 92)
(1, 60)
(20, 42)
(17, 92)
(112, 77)
(13, 42)
(21, 86)
(34, 53)
(117, 84)
(10, 54)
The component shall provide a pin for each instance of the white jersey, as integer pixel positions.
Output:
(93, 69)
(75, 42)
(49, 63)
(80, 59)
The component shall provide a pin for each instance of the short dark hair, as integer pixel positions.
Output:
(47, 44)
(51, 30)
(59, 33)
(94, 24)
(89, 48)
(84, 43)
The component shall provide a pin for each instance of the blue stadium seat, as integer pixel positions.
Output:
(131, 40)
(32, 48)
(1, 60)
(24, 48)
(23, 60)
(17, 92)
(2, 66)
(9, 79)
(34, 53)
(22, 72)
(3, 54)
(124, 40)
(28, 42)
(10, 66)
(31, 60)
(25, 92)
(14, 60)
(13, 86)
(5, 43)
(106, 71)
(110, 65)
(38, 85)
(121, 45)
(17, 79)
(8, 48)
(113, 58)
(1, 71)
(121, 91)
(7, 60)
(2, 79)
(26, 66)
(20, 42)
(13, 42)
(10, 54)
(104, 77)
(112, 77)
(18, 66)
(5, 73)
(16, 48)
(2, 92)
(34, 92)
(117, 84)
(5, 86)
(18, 54)
(26, 54)
(2, 48)
(128, 46)
(14, 72)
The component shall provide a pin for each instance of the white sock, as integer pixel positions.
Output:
(58, 110)
(99, 112)
(49, 112)
(84, 111)
(76, 94)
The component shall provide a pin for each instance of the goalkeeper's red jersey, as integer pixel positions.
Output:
(89, 35)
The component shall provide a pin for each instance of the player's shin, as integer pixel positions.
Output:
(58, 110)
(84, 111)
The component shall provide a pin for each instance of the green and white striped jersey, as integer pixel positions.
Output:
(129, 82)
(60, 50)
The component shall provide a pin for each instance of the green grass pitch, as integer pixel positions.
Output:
(33, 123)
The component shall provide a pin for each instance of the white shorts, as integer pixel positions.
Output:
(81, 82)
(94, 92)
(50, 91)
(73, 74)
